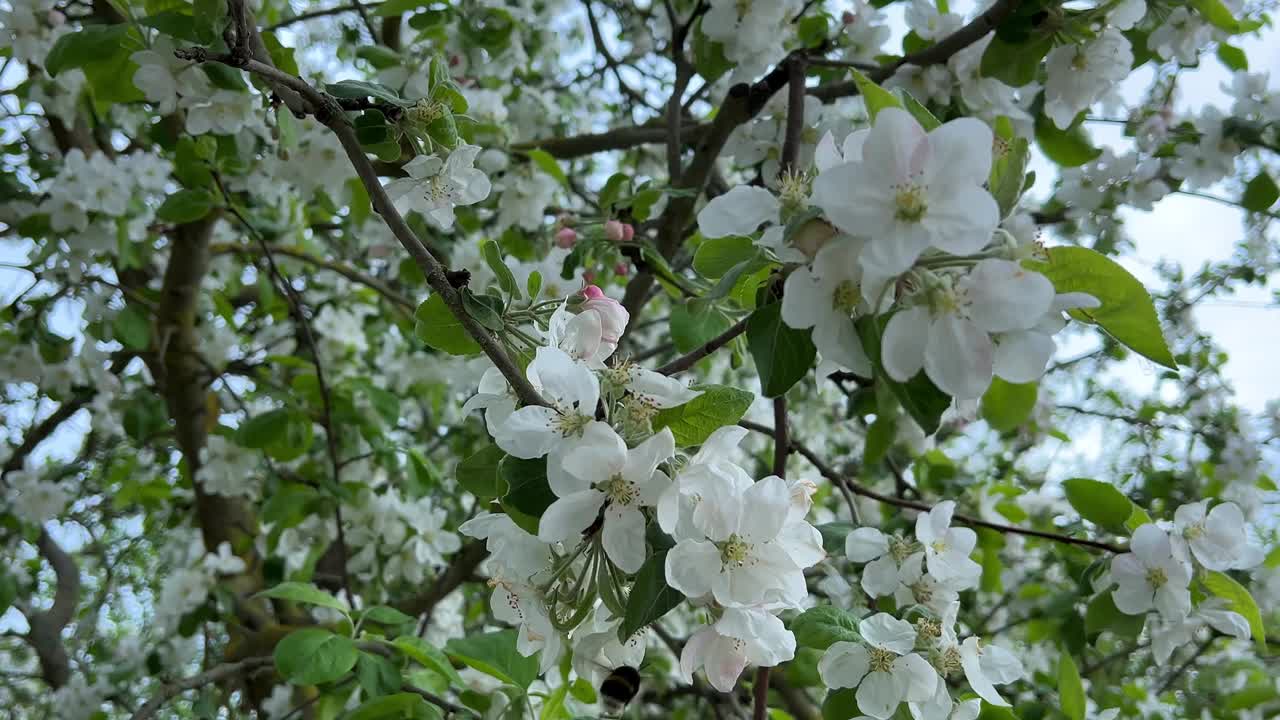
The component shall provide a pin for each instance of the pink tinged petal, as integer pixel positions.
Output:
(970, 660)
(528, 433)
(865, 544)
(738, 212)
(902, 349)
(569, 516)
(692, 566)
(1151, 545)
(724, 664)
(855, 199)
(600, 455)
(921, 679)
(960, 152)
(844, 665)
(962, 220)
(694, 654)
(885, 631)
(624, 537)
(1022, 356)
(897, 146)
(880, 694)
(880, 577)
(803, 299)
(767, 641)
(959, 357)
(764, 509)
(1005, 296)
(582, 336)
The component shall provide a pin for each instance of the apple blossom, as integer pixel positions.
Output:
(741, 637)
(883, 667)
(1149, 576)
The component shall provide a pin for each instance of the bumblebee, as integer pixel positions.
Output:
(619, 688)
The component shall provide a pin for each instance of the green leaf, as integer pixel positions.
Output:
(1233, 57)
(1217, 14)
(651, 597)
(428, 656)
(553, 707)
(1070, 688)
(437, 326)
(709, 57)
(819, 627)
(782, 353)
(548, 165)
(493, 258)
(400, 706)
(304, 593)
(311, 656)
(486, 309)
(841, 704)
(283, 434)
(495, 654)
(173, 23)
(1240, 601)
(922, 400)
(392, 8)
(527, 488)
(875, 97)
(358, 90)
(833, 536)
(1006, 406)
(379, 56)
(921, 113)
(1009, 174)
(1127, 312)
(1102, 614)
(377, 675)
(1261, 193)
(1015, 64)
(693, 323)
(478, 474)
(812, 30)
(132, 327)
(91, 44)
(1068, 148)
(693, 422)
(186, 206)
(717, 256)
(879, 439)
(385, 615)
(1098, 502)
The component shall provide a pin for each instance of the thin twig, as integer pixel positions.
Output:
(302, 17)
(835, 477)
(210, 677)
(685, 362)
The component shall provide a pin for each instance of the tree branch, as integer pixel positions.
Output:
(169, 691)
(685, 362)
(835, 477)
(346, 271)
(464, 563)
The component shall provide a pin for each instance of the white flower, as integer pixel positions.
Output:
(222, 112)
(1168, 634)
(572, 391)
(1149, 576)
(988, 666)
(741, 211)
(950, 336)
(1127, 13)
(495, 397)
(752, 555)
(917, 586)
(884, 669)
(827, 296)
(37, 501)
(680, 510)
(602, 472)
(1182, 36)
(592, 334)
(913, 190)
(924, 19)
(520, 605)
(1218, 538)
(435, 187)
(517, 553)
(947, 549)
(224, 562)
(741, 637)
(882, 553)
(597, 650)
(1021, 355)
(1078, 75)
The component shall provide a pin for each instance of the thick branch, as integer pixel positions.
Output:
(45, 634)
(836, 478)
(464, 563)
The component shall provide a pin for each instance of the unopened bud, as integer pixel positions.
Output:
(566, 238)
(628, 232)
(848, 18)
(621, 268)
(589, 276)
(613, 230)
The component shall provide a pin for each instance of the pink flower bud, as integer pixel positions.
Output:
(589, 276)
(591, 292)
(621, 268)
(566, 238)
(628, 232)
(848, 18)
(615, 231)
